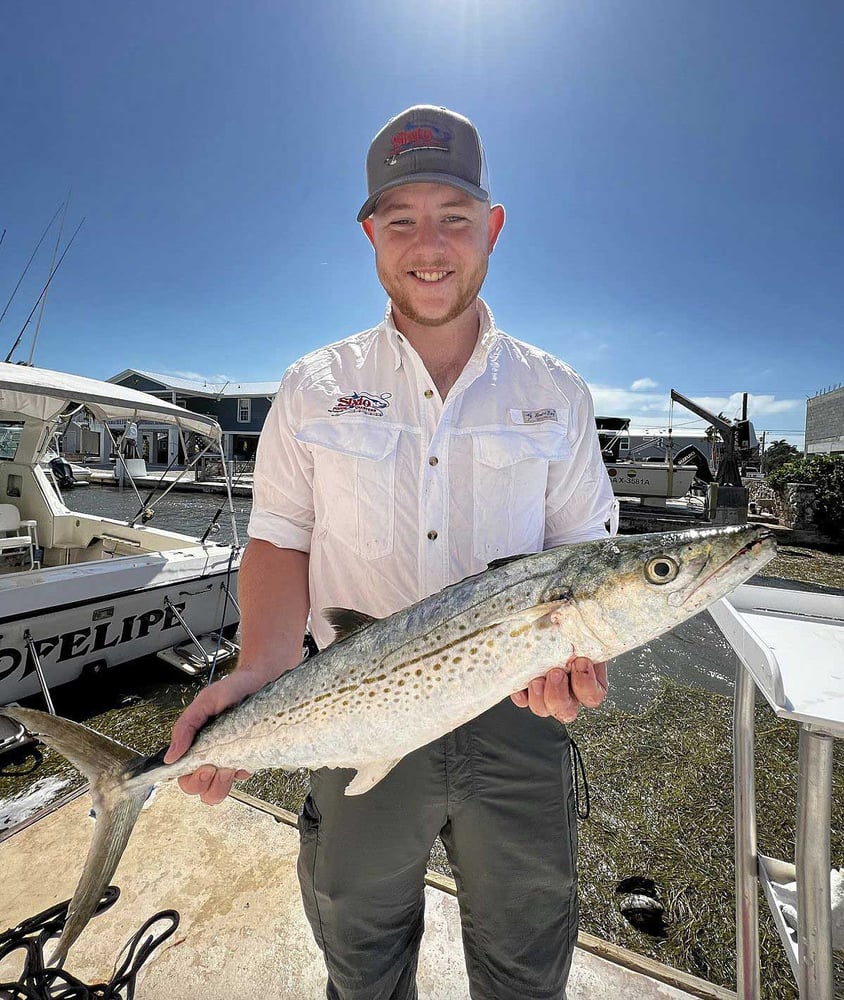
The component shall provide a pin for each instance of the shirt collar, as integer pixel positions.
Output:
(487, 334)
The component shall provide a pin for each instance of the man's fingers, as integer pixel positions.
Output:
(536, 697)
(559, 699)
(199, 781)
(588, 683)
(520, 698)
(211, 784)
(219, 787)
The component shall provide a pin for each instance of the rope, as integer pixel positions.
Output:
(39, 982)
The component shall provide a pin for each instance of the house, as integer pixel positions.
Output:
(239, 407)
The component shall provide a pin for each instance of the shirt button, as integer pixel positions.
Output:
(428, 393)
(433, 460)
(432, 535)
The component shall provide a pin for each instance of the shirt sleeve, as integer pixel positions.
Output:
(282, 491)
(579, 503)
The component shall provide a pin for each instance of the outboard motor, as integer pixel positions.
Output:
(63, 473)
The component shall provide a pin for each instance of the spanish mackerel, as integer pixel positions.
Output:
(388, 686)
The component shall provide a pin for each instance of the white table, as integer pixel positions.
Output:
(790, 645)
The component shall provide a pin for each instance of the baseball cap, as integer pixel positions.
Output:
(426, 144)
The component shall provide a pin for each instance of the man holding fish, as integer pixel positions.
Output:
(394, 463)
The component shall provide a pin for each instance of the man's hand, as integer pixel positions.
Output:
(211, 784)
(562, 691)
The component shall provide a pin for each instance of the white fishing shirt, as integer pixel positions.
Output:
(396, 493)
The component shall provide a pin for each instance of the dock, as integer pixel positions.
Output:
(230, 872)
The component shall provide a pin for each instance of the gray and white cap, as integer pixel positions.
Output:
(426, 144)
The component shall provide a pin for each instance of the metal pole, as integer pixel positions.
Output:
(814, 934)
(744, 791)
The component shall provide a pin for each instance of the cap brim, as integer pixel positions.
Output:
(422, 178)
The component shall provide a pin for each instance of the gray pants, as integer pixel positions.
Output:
(499, 792)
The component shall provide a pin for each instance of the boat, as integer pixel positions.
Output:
(80, 593)
(653, 481)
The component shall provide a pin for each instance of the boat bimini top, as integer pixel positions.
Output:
(44, 396)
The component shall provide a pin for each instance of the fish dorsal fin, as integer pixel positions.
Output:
(345, 621)
(369, 775)
(507, 559)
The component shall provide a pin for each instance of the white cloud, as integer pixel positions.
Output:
(643, 383)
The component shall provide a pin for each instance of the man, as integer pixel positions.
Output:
(393, 463)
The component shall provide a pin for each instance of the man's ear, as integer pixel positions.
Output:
(369, 229)
(496, 224)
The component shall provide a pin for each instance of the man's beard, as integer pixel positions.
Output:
(467, 289)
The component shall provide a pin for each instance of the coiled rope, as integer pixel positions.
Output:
(39, 982)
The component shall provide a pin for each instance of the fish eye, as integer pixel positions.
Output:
(661, 569)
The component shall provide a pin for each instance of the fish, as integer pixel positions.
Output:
(387, 686)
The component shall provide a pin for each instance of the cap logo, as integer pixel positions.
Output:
(414, 136)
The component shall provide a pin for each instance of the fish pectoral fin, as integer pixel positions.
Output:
(346, 621)
(369, 775)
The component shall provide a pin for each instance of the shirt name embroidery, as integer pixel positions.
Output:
(361, 402)
(538, 416)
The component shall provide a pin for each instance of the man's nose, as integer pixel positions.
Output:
(429, 234)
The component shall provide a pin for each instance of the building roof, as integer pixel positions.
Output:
(203, 387)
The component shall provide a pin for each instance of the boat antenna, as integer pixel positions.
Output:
(34, 252)
(43, 292)
(52, 262)
(2, 237)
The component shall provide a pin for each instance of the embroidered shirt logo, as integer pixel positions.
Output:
(538, 416)
(361, 402)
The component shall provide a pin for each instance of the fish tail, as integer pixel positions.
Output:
(117, 803)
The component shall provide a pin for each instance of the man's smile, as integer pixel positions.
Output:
(430, 276)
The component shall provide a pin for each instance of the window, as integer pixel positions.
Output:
(10, 435)
(244, 411)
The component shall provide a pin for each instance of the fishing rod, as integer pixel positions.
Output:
(213, 522)
(34, 252)
(44, 300)
(145, 511)
(43, 292)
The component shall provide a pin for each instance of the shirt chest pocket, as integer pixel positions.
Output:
(354, 482)
(510, 477)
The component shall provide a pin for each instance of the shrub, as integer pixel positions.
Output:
(826, 472)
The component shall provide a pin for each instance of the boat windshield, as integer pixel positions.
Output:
(10, 436)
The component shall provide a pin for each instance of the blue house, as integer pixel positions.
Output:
(239, 407)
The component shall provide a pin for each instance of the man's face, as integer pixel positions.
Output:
(432, 245)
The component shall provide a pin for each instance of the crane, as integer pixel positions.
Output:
(736, 435)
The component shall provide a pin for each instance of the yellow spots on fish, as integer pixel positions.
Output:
(490, 643)
(473, 651)
(520, 630)
(437, 666)
(458, 659)
(418, 671)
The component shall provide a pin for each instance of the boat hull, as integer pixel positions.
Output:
(85, 619)
(650, 479)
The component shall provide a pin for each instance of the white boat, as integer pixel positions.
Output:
(636, 476)
(80, 593)
(651, 480)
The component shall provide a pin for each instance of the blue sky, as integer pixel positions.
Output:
(672, 173)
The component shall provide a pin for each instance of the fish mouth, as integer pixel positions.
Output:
(764, 543)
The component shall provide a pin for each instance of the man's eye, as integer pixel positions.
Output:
(455, 218)
(401, 222)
